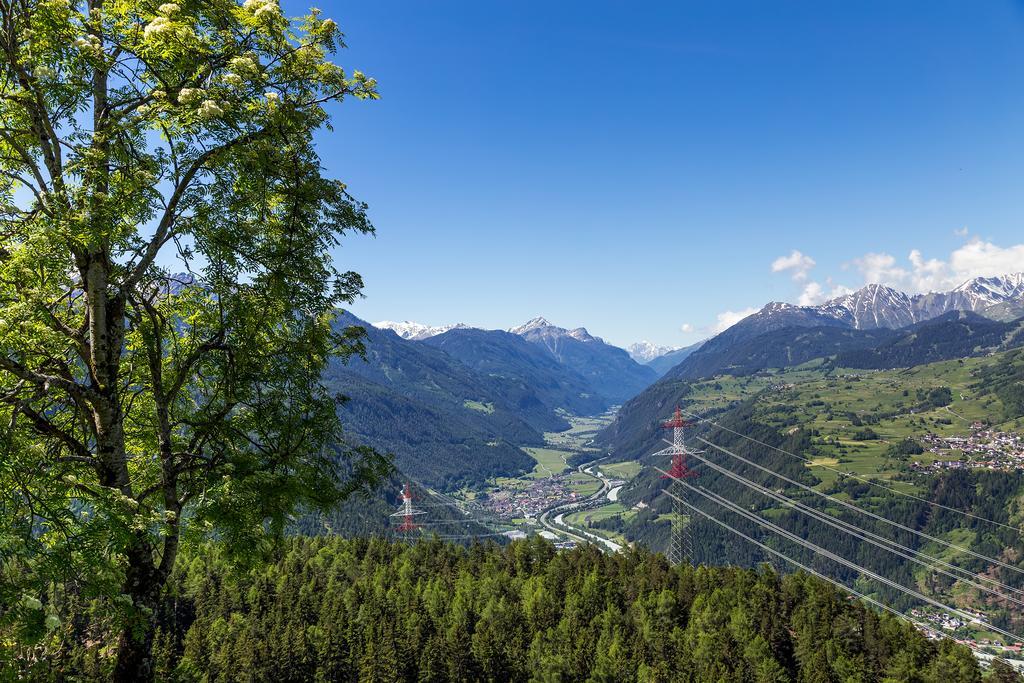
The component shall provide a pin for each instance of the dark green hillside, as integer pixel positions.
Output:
(778, 348)
(439, 444)
(527, 375)
(635, 430)
(368, 513)
(1005, 380)
(424, 373)
(375, 611)
(956, 334)
(446, 425)
(982, 493)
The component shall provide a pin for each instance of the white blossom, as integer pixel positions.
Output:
(209, 109)
(262, 7)
(244, 65)
(189, 95)
(169, 8)
(158, 26)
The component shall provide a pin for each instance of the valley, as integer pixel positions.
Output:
(567, 480)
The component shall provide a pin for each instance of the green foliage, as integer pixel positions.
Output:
(905, 448)
(330, 609)
(865, 434)
(143, 409)
(1005, 379)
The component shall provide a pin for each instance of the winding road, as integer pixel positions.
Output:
(559, 525)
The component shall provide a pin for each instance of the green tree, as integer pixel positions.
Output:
(141, 409)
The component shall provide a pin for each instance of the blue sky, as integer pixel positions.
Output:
(638, 168)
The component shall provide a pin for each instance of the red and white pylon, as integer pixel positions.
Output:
(681, 545)
(406, 512)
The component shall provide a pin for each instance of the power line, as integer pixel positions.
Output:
(889, 545)
(857, 477)
(806, 568)
(862, 511)
(841, 560)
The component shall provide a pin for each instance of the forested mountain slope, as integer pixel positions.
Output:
(956, 334)
(445, 424)
(374, 611)
(524, 372)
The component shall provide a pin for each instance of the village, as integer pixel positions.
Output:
(984, 448)
(938, 625)
(530, 501)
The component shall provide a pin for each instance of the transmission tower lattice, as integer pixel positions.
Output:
(406, 512)
(681, 544)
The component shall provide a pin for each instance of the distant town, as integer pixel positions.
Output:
(984, 448)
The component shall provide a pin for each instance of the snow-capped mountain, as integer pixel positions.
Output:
(542, 328)
(877, 306)
(984, 293)
(407, 329)
(645, 351)
(608, 368)
(872, 307)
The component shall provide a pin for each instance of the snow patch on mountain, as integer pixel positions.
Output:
(645, 351)
(407, 329)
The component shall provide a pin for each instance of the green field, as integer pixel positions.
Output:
(479, 407)
(549, 461)
(584, 519)
(621, 470)
(583, 484)
(581, 431)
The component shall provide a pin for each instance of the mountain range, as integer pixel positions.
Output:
(878, 306)
(454, 403)
(455, 407)
(608, 369)
(408, 329)
(643, 352)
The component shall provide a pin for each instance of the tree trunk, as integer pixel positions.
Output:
(144, 582)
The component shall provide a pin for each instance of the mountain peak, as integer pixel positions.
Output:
(532, 324)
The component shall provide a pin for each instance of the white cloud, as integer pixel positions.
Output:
(727, 319)
(980, 259)
(687, 328)
(879, 268)
(962, 232)
(814, 293)
(976, 258)
(798, 262)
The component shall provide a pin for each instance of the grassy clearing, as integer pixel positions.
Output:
(583, 484)
(549, 461)
(621, 470)
(487, 408)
